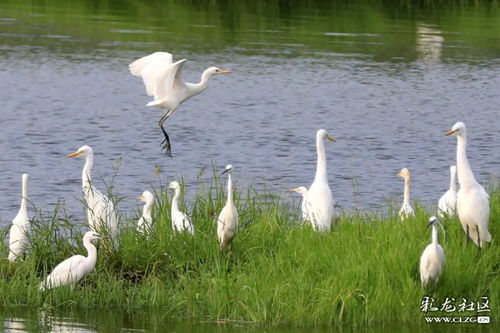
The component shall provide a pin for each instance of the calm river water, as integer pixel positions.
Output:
(385, 79)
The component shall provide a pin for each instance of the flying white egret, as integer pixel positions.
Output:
(145, 221)
(473, 202)
(304, 206)
(227, 222)
(18, 240)
(432, 259)
(74, 268)
(180, 221)
(448, 202)
(162, 79)
(406, 209)
(320, 198)
(100, 209)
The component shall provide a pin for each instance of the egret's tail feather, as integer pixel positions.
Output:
(154, 103)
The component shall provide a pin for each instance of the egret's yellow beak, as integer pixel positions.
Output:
(399, 174)
(141, 198)
(294, 190)
(450, 132)
(224, 71)
(330, 138)
(76, 153)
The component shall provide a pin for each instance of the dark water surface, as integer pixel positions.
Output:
(386, 79)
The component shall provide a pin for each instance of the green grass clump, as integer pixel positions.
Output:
(278, 273)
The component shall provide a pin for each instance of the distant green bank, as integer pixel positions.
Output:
(365, 271)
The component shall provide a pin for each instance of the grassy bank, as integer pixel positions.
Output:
(364, 271)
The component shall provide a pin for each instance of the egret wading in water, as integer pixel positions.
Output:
(319, 197)
(100, 209)
(162, 79)
(304, 206)
(473, 202)
(145, 221)
(74, 268)
(18, 239)
(432, 259)
(406, 209)
(180, 221)
(227, 222)
(448, 202)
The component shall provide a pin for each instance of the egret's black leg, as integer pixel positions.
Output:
(478, 238)
(166, 142)
(468, 234)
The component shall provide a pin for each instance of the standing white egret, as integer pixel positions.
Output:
(180, 221)
(145, 221)
(406, 209)
(100, 209)
(74, 268)
(18, 240)
(473, 202)
(320, 197)
(304, 206)
(162, 79)
(432, 259)
(227, 222)
(448, 202)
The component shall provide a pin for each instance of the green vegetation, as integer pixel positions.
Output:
(279, 273)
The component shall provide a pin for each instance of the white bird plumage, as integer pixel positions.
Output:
(406, 209)
(304, 205)
(448, 202)
(74, 268)
(162, 79)
(180, 221)
(18, 236)
(100, 209)
(432, 259)
(145, 221)
(227, 222)
(473, 202)
(320, 198)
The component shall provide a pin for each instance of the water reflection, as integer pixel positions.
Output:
(14, 325)
(429, 43)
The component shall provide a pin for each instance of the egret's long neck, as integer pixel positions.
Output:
(321, 175)
(229, 189)
(146, 211)
(406, 194)
(465, 175)
(24, 198)
(175, 200)
(434, 234)
(86, 172)
(92, 252)
(196, 88)
(453, 180)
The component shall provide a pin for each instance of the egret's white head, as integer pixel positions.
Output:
(302, 190)
(215, 70)
(432, 220)
(453, 169)
(458, 129)
(174, 185)
(228, 169)
(24, 177)
(91, 235)
(405, 173)
(147, 197)
(82, 151)
(323, 134)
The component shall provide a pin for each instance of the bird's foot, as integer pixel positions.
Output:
(168, 148)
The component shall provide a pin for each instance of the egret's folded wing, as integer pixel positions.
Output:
(149, 68)
(64, 272)
(168, 79)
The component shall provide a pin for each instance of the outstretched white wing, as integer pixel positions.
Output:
(169, 81)
(149, 68)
